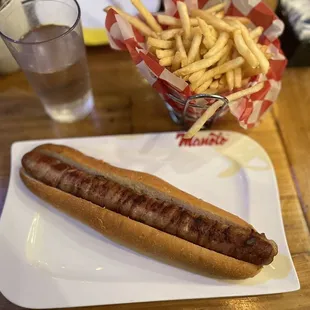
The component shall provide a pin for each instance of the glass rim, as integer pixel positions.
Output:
(4, 36)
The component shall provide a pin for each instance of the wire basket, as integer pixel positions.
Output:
(182, 117)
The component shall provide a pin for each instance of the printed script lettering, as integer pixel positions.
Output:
(210, 139)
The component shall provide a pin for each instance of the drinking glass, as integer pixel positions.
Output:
(45, 37)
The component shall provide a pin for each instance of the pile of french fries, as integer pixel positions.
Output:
(213, 52)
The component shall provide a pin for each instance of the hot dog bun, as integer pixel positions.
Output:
(136, 235)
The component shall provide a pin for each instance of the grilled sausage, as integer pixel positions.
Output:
(202, 228)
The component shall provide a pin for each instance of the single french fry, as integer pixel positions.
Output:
(151, 48)
(213, 32)
(244, 50)
(158, 43)
(242, 19)
(216, 105)
(149, 18)
(134, 21)
(227, 66)
(230, 78)
(202, 64)
(238, 77)
(256, 33)
(214, 91)
(194, 49)
(223, 59)
(166, 61)
(214, 84)
(219, 44)
(216, 8)
(193, 21)
(168, 20)
(201, 89)
(194, 31)
(245, 92)
(208, 40)
(164, 53)
(170, 33)
(222, 80)
(232, 22)
(187, 44)
(197, 57)
(220, 14)
(173, 21)
(260, 56)
(181, 49)
(217, 23)
(186, 25)
(201, 121)
(196, 76)
(176, 61)
(186, 77)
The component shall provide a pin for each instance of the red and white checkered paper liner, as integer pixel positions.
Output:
(248, 110)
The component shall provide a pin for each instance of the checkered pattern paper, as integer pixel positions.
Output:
(248, 110)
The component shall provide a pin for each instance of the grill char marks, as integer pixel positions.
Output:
(239, 242)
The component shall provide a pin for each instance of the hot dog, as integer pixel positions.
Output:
(146, 213)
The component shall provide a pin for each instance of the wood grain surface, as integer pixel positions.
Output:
(292, 115)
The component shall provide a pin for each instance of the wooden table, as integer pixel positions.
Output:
(121, 96)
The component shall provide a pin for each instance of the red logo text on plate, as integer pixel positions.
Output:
(211, 139)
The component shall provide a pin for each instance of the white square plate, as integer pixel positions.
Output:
(49, 260)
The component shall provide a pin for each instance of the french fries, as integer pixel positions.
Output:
(176, 61)
(227, 66)
(243, 20)
(215, 106)
(209, 40)
(216, 8)
(238, 77)
(149, 18)
(158, 43)
(180, 47)
(172, 21)
(220, 14)
(166, 61)
(136, 22)
(219, 44)
(204, 86)
(244, 50)
(170, 33)
(230, 78)
(262, 60)
(215, 53)
(196, 76)
(256, 33)
(212, 20)
(202, 64)
(182, 9)
(194, 49)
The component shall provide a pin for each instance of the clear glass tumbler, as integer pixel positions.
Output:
(45, 37)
